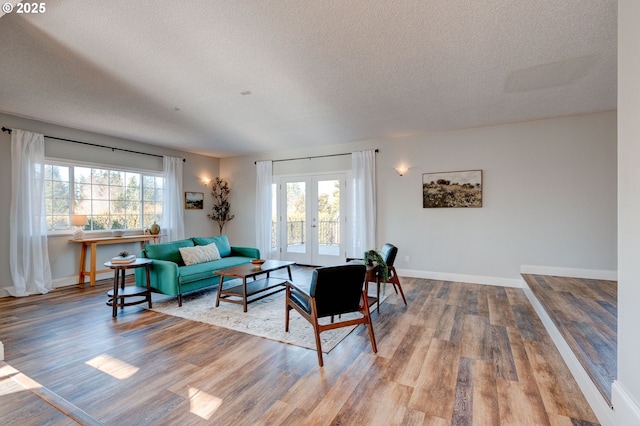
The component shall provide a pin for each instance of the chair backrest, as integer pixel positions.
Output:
(389, 252)
(337, 289)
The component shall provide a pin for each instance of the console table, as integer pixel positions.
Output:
(93, 243)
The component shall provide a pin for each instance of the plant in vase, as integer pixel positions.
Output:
(221, 209)
(374, 256)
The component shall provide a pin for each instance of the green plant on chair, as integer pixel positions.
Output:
(374, 256)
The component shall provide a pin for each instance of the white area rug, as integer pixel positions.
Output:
(264, 318)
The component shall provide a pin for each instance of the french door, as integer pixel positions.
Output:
(312, 219)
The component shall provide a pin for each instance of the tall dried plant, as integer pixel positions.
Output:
(221, 208)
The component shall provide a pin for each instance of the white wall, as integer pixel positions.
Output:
(549, 198)
(626, 390)
(64, 255)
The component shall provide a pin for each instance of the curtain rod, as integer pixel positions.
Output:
(4, 129)
(315, 156)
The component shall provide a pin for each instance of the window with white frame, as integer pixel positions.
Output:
(111, 198)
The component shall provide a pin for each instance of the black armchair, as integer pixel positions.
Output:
(388, 254)
(334, 290)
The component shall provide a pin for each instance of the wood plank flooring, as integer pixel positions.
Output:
(459, 354)
(585, 312)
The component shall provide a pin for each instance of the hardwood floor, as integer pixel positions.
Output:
(585, 312)
(458, 354)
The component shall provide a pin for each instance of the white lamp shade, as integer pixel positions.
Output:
(79, 220)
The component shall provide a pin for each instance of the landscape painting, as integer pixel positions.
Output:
(452, 189)
(193, 200)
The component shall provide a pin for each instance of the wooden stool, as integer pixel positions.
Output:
(119, 293)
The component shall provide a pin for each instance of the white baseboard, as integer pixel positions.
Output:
(73, 280)
(596, 400)
(67, 281)
(626, 409)
(473, 279)
(594, 274)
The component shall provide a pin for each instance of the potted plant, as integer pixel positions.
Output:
(374, 256)
(221, 209)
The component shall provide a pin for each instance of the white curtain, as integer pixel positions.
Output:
(363, 223)
(172, 223)
(28, 253)
(264, 173)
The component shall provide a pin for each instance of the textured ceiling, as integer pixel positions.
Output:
(319, 72)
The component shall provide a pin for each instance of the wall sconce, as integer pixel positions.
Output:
(402, 170)
(79, 221)
(206, 181)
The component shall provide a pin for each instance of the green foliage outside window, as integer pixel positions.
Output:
(111, 199)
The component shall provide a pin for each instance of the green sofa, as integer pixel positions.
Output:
(169, 274)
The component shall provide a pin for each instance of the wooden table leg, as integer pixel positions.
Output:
(148, 285)
(219, 290)
(92, 266)
(83, 263)
(244, 294)
(114, 301)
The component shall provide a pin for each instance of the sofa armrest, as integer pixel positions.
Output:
(164, 276)
(251, 252)
(165, 268)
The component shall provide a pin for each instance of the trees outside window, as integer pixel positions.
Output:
(110, 198)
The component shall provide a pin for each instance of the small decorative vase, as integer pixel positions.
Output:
(154, 229)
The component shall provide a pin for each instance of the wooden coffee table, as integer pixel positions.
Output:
(256, 289)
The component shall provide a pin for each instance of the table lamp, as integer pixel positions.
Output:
(79, 221)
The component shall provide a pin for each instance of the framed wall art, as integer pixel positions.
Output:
(452, 189)
(193, 200)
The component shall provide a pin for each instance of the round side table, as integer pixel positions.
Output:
(119, 293)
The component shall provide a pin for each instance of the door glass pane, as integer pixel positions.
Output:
(296, 215)
(328, 217)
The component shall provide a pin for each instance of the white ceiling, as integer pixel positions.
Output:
(319, 72)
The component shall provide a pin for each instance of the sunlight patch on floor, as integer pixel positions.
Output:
(203, 404)
(12, 380)
(113, 367)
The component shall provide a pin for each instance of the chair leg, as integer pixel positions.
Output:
(372, 337)
(404, 299)
(287, 308)
(396, 282)
(316, 331)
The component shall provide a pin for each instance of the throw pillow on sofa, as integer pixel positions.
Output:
(199, 254)
(222, 241)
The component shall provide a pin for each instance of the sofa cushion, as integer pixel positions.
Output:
(222, 242)
(167, 251)
(199, 254)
